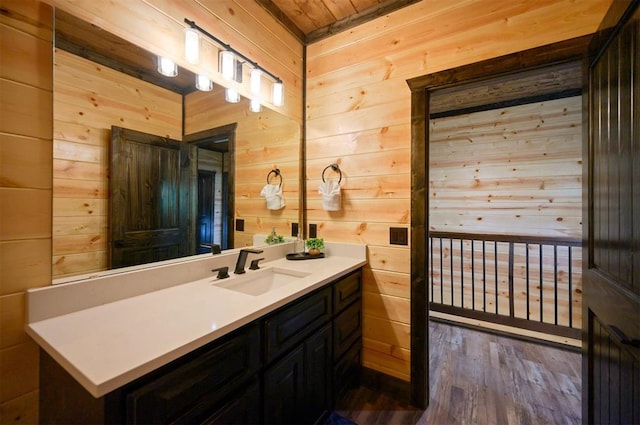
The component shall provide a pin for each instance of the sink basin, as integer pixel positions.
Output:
(261, 281)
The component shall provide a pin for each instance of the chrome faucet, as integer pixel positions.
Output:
(242, 259)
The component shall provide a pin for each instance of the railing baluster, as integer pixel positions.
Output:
(441, 274)
(461, 274)
(555, 284)
(541, 280)
(527, 277)
(495, 268)
(484, 276)
(512, 307)
(451, 265)
(570, 288)
(431, 268)
(473, 277)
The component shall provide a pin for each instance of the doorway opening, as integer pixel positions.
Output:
(215, 204)
(423, 88)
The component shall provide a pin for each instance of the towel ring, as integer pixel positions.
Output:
(277, 173)
(334, 167)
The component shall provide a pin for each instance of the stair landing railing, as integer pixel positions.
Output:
(528, 282)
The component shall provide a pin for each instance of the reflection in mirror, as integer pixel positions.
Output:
(101, 81)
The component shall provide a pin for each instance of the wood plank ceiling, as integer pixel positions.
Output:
(312, 20)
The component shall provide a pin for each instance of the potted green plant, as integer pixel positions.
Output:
(274, 238)
(315, 245)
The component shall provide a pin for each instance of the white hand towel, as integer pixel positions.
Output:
(331, 196)
(273, 195)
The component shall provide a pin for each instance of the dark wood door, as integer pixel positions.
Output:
(152, 198)
(611, 336)
(284, 391)
(206, 210)
(317, 375)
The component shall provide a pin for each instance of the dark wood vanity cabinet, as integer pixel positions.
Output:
(287, 367)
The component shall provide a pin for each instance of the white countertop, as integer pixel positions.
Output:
(108, 345)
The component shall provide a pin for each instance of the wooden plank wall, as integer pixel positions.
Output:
(358, 114)
(264, 141)
(158, 25)
(26, 89)
(88, 100)
(515, 170)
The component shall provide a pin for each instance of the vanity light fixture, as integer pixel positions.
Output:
(191, 45)
(167, 67)
(231, 95)
(230, 65)
(254, 105)
(203, 83)
(256, 82)
(227, 65)
(277, 93)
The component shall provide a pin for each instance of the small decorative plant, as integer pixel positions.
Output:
(273, 239)
(315, 245)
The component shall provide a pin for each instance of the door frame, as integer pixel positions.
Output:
(564, 51)
(205, 140)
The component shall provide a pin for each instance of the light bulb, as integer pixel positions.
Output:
(203, 83)
(191, 45)
(277, 94)
(231, 95)
(227, 60)
(254, 105)
(167, 67)
(256, 79)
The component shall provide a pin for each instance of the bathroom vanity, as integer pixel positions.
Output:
(207, 350)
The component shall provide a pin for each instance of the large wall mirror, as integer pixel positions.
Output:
(115, 119)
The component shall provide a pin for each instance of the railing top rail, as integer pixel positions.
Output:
(531, 239)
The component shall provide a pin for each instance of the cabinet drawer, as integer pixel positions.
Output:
(347, 290)
(204, 381)
(287, 327)
(347, 328)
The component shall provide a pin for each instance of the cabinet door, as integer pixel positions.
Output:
(284, 389)
(347, 290)
(347, 371)
(347, 329)
(289, 326)
(317, 368)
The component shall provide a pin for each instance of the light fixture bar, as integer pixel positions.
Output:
(192, 24)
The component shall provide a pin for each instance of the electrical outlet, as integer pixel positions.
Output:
(398, 236)
(239, 225)
(313, 230)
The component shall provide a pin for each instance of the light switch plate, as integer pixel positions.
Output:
(398, 236)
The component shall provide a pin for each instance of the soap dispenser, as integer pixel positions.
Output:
(298, 245)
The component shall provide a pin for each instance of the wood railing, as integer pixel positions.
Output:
(529, 282)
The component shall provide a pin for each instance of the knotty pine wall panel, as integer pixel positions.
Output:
(89, 99)
(358, 112)
(264, 141)
(540, 142)
(157, 26)
(25, 194)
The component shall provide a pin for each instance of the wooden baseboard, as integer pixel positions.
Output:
(533, 336)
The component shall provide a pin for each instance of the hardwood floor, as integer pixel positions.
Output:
(480, 378)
